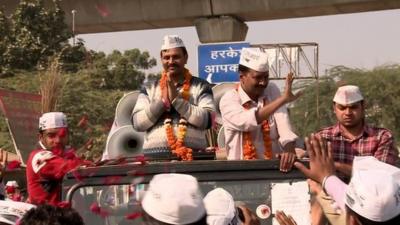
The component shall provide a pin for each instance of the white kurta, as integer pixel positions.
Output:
(236, 120)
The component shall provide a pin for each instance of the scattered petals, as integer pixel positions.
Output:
(83, 122)
(12, 165)
(64, 204)
(96, 209)
(133, 216)
(112, 179)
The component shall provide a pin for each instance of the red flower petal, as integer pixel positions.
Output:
(12, 165)
(133, 216)
(64, 204)
(112, 179)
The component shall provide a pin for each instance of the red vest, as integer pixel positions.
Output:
(44, 173)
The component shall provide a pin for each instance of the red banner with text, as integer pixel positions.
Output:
(22, 111)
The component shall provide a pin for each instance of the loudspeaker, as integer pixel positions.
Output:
(218, 91)
(124, 142)
(124, 109)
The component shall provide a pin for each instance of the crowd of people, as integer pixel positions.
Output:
(351, 174)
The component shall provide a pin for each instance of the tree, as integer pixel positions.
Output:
(5, 40)
(121, 71)
(380, 90)
(34, 34)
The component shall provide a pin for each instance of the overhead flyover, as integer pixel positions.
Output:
(215, 20)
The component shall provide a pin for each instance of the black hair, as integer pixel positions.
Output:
(185, 53)
(149, 220)
(365, 221)
(243, 69)
(51, 215)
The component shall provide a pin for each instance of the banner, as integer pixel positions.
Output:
(22, 112)
(219, 62)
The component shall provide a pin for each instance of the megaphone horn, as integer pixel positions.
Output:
(123, 111)
(218, 91)
(124, 142)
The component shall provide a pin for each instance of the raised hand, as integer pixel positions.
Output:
(287, 93)
(283, 219)
(321, 159)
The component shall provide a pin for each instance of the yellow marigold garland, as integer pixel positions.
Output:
(177, 143)
(249, 150)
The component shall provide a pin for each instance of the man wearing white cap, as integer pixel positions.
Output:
(173, 199)
(255, 119)
(47, 165)
(373, 194)
(176, 110)
(351, 137)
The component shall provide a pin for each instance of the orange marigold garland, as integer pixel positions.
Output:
(177, 144)
(249, 150)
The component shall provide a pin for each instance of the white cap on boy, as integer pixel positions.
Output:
(348, 94)
(255, 59)
(171, 41)
(174, 198)
(220, 208)
(12, 183)
(374, 189)
(52, 120)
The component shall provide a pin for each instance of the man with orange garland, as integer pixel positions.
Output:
(47, 165)
(255, 119)
(176, 110)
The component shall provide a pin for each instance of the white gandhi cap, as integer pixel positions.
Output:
(12, 183)
(220, 208)
(171, 41)
(348, 94)
(52, 120)
(174, 198)
(255, 59)
(374, 189)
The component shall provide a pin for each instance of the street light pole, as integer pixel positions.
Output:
(73, 26)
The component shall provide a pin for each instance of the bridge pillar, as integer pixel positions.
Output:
(220, 29)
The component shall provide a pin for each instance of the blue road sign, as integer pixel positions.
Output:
(219, 62)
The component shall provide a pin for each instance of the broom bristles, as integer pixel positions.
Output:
(50, 87)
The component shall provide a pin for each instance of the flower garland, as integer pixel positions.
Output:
(249, 150)
(177, 143)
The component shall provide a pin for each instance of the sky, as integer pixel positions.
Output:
(359, 40)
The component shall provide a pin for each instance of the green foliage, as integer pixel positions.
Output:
(379, 87)
(80, 101)
(121, 71)
(4, 40)
(37, 33)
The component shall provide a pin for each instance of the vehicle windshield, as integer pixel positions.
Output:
(110, 204)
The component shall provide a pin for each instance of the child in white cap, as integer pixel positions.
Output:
(176, 110)
(373, 195)
(220, 207)
(222, 210)
(12, 191)
(173, 199)
(47, 165)
(255, 118)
